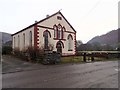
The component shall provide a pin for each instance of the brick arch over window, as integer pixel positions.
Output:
(70, 36)
(47, 32)
(55, 26)
(59, 31)
(59, 26)
(61, 43)
(64, 29)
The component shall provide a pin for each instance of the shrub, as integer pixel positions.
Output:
(6, 50)
(35, 54)
(32, 54)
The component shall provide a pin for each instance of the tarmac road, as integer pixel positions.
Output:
(87, 75)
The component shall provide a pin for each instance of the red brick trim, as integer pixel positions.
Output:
(36, 36)
(69, 32)
(53, 28)
(75, 43)
(64, 29)
(61, 43)
(59, 39)
(70, 36)
(46, 27)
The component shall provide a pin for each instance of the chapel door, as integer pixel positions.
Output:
(59, 48)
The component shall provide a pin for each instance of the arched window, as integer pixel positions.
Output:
(55, 31)
(70, 42)
(59, 31)
(23, 40)
(18, 41)
(14, 42)
(46, 35)
(63, 30)
(30, 39)
(59, 46)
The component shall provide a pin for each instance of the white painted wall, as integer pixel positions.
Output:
(47, 23)
(26, 32)
(53, 20)
(50, 23)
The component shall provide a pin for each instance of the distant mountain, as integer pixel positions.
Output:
(110, 38)
(5, 38)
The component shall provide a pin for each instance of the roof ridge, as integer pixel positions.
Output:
(58, 12)
(37, 22)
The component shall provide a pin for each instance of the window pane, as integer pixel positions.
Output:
(46, 40)
(58, 34)
(14, 42)
(55, 33)
(18, 41)
(30, 42)
(24, 41)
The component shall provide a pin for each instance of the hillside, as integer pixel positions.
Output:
(110, 38)
(5, 38)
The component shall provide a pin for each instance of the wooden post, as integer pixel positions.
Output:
(92, 57)
(84, 57)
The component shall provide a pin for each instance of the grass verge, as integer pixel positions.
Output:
(79, 59)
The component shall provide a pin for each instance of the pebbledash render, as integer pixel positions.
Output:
(54, 31)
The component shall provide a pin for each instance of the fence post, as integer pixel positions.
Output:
(84, 57)
(92, 57)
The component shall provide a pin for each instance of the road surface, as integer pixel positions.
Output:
(86, 75)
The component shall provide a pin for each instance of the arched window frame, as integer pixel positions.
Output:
(60, 32)
(70, 40)
(55, 31)
(46, 35)
(30, 38)
(63, 30)
(18, 41)
(24, 41)
(14, 42)
(61, 44)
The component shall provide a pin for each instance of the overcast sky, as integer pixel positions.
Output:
(89, 17)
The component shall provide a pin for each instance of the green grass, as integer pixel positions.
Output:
(72, 59)
(99, 51)
(79, 59)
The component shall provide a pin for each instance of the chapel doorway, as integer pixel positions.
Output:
(59, 47)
